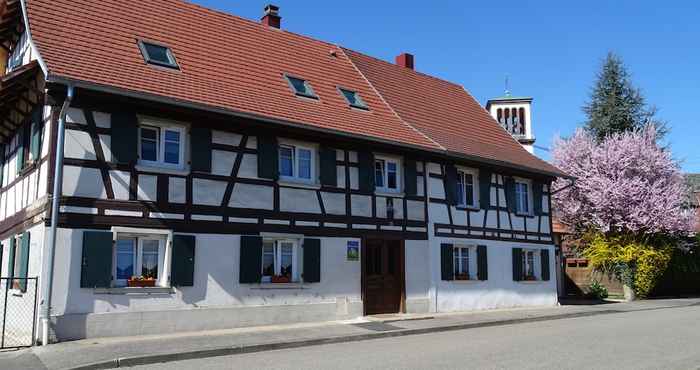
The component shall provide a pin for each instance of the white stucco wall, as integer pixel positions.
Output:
(499, 291)
(216, 288)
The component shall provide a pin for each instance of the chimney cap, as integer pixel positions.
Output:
(405, 60)
(272, 9)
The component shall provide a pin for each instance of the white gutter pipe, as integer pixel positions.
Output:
(55, 200)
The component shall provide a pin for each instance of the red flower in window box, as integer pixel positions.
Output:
(141, 282)
(530, 278)
(281, 279)
(462, 276)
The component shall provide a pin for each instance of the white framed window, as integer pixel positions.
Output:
(280, 261)
(464, 262)
(139, 260)
(387, 174)
(529, 263)
(297, 162)
(162, 144)
(523, 201)
(467, 189)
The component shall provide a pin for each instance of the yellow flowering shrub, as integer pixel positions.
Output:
(635, 262)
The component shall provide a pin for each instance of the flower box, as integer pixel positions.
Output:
(141, 283)
(461, 277)
(281, 279)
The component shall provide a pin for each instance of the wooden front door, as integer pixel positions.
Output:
(383, 275)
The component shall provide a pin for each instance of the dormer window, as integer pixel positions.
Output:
(301, 87)
(158, 55)
(353, 98)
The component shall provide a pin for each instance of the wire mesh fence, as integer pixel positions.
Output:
(18, 300)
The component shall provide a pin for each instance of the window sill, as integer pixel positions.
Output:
(468, 208)
(531, 281)
(298, 184)
(268, 286)
(135, 290)
(387, 193)
(470, 281)
(170, 171)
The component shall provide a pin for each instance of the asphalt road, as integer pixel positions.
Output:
(654, 339)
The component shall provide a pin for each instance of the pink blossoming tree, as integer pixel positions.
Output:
(626, 184)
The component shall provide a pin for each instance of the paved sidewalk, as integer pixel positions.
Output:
(107, 353)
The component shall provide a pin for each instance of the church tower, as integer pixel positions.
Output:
(514, 115)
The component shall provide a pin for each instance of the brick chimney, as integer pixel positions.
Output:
(405, 60)
(271, 17)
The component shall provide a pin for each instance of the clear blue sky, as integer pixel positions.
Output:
(550, 49)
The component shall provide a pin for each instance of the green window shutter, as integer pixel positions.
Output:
(510, 193)
(484, 189)
(250, 269)
(11, 259)
(451, 184)
(268, 160)
(312, 260)
(200, 149)
(23, 261)
(182, 262)
(482, 269)
(96, 264)
(410, 177)
(37, 128)
(125, 138)
(537, 197)
(544, 259)
(329, 170)
(20, 149)
(517, 264)
(366, 171)
(447, 261)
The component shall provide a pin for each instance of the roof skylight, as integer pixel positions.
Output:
(159, 55)
(353, 98)
(301, 87)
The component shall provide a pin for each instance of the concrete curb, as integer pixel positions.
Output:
(227, 351)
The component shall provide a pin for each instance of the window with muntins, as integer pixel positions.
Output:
(461, 263)
(466, 188)
(138, 260)
(353, 98)
(528, 262)
(159, 55)
(301, 87)
(297, 163)
(386, 174)
(522, 197)
(161, 145)
(280, 261)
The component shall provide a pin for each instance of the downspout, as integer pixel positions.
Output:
(55, 200)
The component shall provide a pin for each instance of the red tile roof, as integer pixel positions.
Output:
(445, 112)
(236, 65)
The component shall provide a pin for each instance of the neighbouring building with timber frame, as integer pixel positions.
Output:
(220, 172)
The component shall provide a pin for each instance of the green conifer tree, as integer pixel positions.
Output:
(615, 105)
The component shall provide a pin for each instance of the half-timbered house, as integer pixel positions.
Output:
(218, 172)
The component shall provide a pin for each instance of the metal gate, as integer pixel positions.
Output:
(18, 298)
